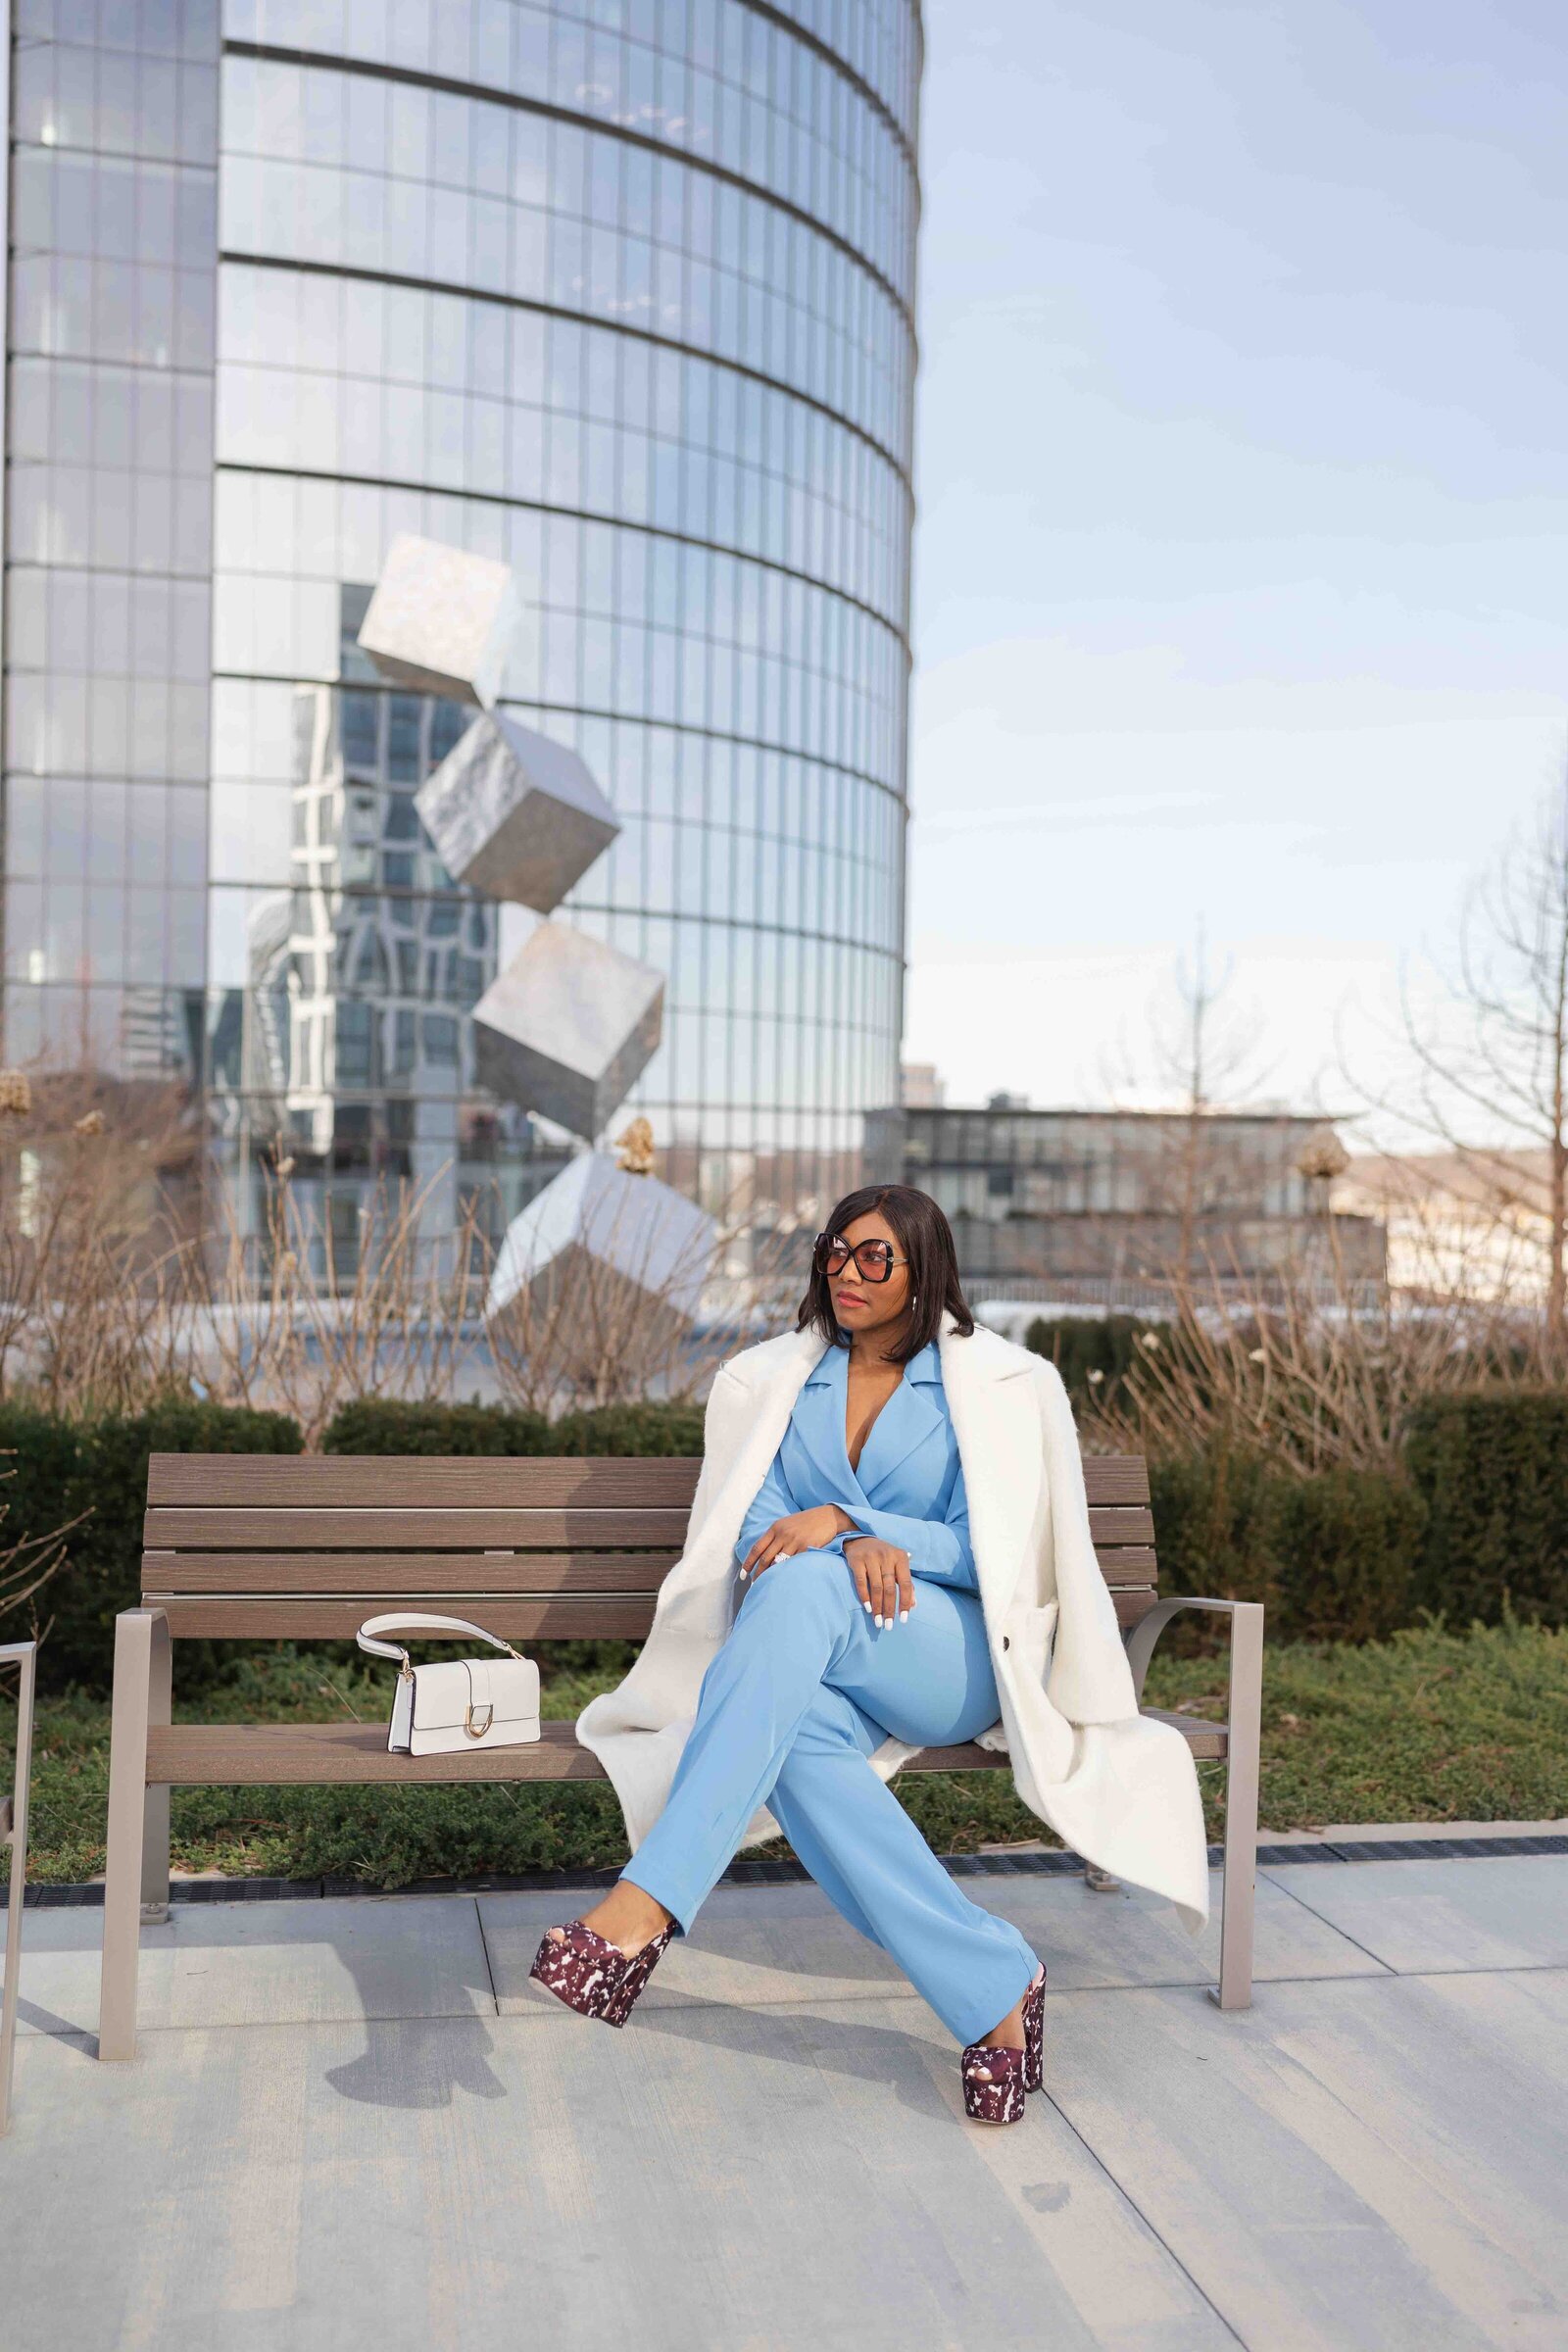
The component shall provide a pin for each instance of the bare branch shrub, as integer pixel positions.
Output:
(1316, 1382)
(284, 1318)
(95, 1193)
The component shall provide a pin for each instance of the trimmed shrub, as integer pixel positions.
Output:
(1333, 1558)
(1346, 1549)
(630, 1429)
(95, 1472)
(377, 1425)
(384, 1425)
(1211, 1526)
(1492, 1465)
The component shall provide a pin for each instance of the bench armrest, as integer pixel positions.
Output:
(1246, 1635)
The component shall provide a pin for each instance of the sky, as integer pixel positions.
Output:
(1242, 548)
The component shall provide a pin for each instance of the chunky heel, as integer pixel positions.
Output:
(1034, 2033)
(993, 2084)
(594, 1978)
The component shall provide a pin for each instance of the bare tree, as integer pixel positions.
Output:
(1492, 1092)
(1199, 1056)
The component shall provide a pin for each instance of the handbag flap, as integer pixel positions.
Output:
(443, 1694)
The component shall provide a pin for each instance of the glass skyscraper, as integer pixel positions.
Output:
(620, 291)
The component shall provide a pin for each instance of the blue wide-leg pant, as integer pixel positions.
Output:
(803, 1690)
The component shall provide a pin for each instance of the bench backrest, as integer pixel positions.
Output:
(300, 1546)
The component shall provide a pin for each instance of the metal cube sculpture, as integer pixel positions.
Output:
(568, 1028)
(441, 622)
(516, 815)
(648, 1236)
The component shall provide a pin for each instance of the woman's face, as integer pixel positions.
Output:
(861, 1305)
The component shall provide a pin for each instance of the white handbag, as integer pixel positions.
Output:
(468, 1702)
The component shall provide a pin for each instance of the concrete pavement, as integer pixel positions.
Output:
(355, 2123)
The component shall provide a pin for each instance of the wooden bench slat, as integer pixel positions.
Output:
(336, 1754)
(1115, 1478)
(501, 1571)
(331, 1481)
(597, 1617)
(605, 1617)
(489, 1481)
(180, 1529)
(279, 1754)
(398, 1571)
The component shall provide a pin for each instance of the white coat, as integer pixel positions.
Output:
(1117, 1787)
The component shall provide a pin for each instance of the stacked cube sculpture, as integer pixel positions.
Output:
(441, 622)
(570, 1024)
(516, 815)
(650, 1239)
(568, 1027)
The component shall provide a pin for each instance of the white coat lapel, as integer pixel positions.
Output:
(768, 1380)
(995, 1419)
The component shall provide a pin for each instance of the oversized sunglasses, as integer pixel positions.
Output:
(874, 1261)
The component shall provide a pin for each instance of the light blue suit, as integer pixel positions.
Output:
(806, 1687)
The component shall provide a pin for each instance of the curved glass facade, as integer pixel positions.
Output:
(621, 293)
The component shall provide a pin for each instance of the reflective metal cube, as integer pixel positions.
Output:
(441, 622)
(568, 1028)
(516, 815)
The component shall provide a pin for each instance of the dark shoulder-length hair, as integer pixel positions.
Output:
(925, 1238)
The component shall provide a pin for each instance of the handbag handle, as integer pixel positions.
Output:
(397, 1623)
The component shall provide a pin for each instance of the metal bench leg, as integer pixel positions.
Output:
(16, 1837)
(128, 1827)
(1241, 1807)
(155, 1799)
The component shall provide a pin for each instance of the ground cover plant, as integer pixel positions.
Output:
(1431, 1724)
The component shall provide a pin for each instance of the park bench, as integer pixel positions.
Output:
(243, 1547)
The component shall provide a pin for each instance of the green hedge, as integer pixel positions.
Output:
(1491, 1466)
(375, 1425)
(95, 1473)
(1333, 1558)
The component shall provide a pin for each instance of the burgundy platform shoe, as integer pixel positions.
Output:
(594, 1978)
(995, 2077)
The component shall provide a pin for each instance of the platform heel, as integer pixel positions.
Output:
(594, 1978)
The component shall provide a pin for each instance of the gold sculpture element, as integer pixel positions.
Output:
(634, 1150)
(16, 1094)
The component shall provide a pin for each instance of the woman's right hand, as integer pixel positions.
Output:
(800, 1531)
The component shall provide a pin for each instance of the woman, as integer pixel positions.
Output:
(840, 1468)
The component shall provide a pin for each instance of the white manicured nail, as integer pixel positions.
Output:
(867, 1607)
(904, 1616)
(878, 1623)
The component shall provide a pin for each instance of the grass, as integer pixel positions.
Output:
(1430, 1726)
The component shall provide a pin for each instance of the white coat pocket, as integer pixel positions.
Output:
(1033, 1635)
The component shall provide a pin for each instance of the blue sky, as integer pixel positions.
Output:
(1242, 559)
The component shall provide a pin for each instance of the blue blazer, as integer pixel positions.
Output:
(909, 1487)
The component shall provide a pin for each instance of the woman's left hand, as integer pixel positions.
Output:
(799, 1531)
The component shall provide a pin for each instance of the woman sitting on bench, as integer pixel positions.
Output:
(865, 1631)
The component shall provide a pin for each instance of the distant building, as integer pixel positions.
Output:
(1472, 1224)
(1091, 1205)
(920, 1087)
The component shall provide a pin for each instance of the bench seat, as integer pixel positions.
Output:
(217, 1756)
